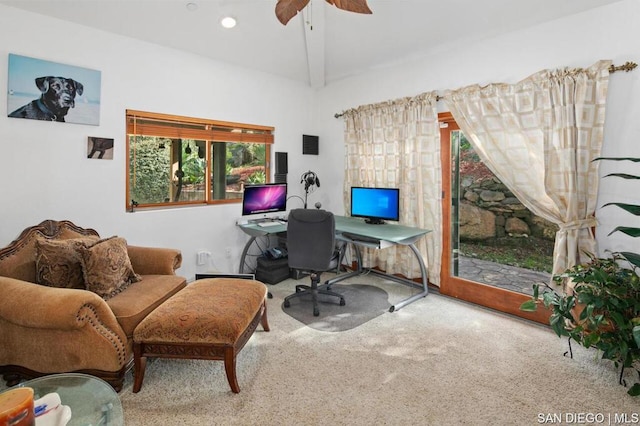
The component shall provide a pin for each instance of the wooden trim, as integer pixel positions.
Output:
(493, 297)
(48, 228)
(183, 119)
(173, 126)
(165, 131)
(447, 117)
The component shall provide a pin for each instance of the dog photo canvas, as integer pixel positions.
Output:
(50, 91)
(100, 148)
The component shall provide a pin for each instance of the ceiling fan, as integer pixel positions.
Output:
(287, 9)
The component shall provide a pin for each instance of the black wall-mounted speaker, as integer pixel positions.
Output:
(280, 177)
(310, 144)
(281, 163)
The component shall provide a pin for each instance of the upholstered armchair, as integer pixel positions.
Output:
(69, 300)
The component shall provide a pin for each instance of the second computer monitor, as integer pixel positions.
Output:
(375, 205)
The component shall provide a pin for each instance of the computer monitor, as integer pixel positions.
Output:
(264, 198)
(375, 204)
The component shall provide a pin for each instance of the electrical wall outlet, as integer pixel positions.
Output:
(202, 257)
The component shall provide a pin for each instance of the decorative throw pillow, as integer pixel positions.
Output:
(107, 268)
(58, 262)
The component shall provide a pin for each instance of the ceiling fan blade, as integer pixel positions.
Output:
(287, 9)
(357, 6)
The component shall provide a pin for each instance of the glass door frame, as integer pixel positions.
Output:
(481, 294)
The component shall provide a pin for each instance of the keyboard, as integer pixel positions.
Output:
(267, 224)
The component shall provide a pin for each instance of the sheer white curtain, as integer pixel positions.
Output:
(539, 136)
(397, 144)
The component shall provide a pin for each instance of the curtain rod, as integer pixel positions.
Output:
(626, 67)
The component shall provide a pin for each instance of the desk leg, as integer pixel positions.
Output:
(425, 280)
(354, 273)
(243, 257)
(402, 303)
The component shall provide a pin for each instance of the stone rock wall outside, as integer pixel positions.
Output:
(489, 210)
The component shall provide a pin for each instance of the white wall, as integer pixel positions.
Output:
(46, 175)
(45, 172)
(609, 32)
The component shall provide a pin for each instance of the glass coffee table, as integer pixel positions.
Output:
(92, 400)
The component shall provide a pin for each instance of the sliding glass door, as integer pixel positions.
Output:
(482, 262)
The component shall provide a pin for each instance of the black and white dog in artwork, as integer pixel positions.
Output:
(99, 145)
(58, 95)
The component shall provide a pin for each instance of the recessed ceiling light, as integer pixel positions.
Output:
(191, 6)
(228, 22)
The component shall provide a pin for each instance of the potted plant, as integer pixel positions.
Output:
(601, 310)
(601, 305)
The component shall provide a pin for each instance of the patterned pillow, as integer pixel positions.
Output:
(107, 268)
(58, 262)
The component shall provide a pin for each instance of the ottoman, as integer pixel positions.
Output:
(209, 319)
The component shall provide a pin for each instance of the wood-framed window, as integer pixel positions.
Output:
(176, 161)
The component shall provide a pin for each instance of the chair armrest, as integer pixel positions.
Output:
(154, 260)
(48, 329)
(32, 305)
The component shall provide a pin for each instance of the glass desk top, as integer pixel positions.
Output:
(392, 232)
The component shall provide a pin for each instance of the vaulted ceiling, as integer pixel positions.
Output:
(319, 45)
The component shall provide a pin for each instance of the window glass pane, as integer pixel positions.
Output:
(234, 165)
(149, 169)
(193, 167)
(163, 170)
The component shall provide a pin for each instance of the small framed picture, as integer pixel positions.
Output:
(99, 148)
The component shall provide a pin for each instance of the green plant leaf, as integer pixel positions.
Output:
(632, 232)
(529, 306)
(556, 321)
(623, 175)
(634, 390)
(624, 352)
(631, 208)
(636, 334)
(590, 340)
(549, 299)
(633, 258)
(618, 319)
(634, 159)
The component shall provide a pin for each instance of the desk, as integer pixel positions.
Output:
(348, 229)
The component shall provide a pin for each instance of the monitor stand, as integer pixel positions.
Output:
(374, 221)
(259, 220)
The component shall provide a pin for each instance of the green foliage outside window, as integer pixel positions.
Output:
(149, 169)
(192, 165)
(158, 176)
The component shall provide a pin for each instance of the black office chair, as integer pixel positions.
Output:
(312, 248)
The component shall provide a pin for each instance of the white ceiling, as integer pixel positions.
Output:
(324, 45)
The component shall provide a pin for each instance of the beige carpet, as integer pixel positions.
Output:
(437, 361)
